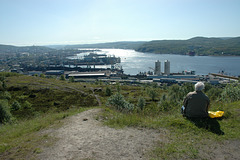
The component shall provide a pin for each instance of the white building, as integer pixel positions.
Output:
(167, 67)
(157, 68)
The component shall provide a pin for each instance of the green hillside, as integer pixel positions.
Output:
(30, 104)
(117, 45)
(200, 45)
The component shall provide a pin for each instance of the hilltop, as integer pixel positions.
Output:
(147, 114)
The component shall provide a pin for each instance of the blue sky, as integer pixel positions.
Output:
(44, 22)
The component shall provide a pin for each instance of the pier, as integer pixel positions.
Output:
(224, 76)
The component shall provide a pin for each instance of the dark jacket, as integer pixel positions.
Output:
(196, 104)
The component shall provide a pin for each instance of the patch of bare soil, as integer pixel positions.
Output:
(226, 150)
(83, 137)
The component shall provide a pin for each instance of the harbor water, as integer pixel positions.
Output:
(134, 62)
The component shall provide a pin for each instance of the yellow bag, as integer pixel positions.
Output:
(216, 114)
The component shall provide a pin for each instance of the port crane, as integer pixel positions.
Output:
(151, 68)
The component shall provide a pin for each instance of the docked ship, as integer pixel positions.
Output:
(101, 58)
(94, 59)
(191, 53)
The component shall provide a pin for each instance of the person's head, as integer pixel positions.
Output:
(199, 86)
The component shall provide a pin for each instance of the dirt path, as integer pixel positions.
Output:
(96, 96)
(83, 137)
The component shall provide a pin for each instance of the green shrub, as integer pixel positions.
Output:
(164, 104)
(71, 79)
(154, 85)
(42, 75)
(62, 77)
(187, 87)
(214, 93)
(117, 101)
(5, 115)
(27, 105)
(141, 103)
(152, 93)
(231, 93)
(108, 91)
(207, 87)
(5, 95)
(120, 103)
(98, 82)
(128, 106)
(177, 93)
(4, 85)
(15, 106)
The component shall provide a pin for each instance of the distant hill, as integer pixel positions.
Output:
(200, 45)
(29, 49)
(119, 45)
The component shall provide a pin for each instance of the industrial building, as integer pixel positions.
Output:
(171, 78)
(87, 75)
(188, 77)
(157, 70)
(55, 72)
(167, 67)
(92, 75)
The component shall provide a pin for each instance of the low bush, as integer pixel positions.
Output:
(141, 103)
(108, 91)
(120, 103)
(214, 93)
(231, 92)
(71, 79)
(152, 93)
(5, 95)
(5, 115)
(15, 106)
(27, 105)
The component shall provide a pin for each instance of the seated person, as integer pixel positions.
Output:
(196, 104)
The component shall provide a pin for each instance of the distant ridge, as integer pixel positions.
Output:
(199, 45)
(120, 45)
(223, 46)
(30, 49)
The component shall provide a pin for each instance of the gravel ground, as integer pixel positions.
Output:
(83, 137)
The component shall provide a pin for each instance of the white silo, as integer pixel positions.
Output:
(166, 67)
(157, 68)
